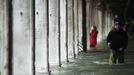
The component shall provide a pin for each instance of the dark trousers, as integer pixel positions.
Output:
(117, 57)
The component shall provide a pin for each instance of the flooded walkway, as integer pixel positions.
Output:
(96, 63)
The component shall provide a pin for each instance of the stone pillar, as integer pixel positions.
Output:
(80, 25)
(106, 22)
(104, 27)
(90, 13)
(22, 37)
(109, 21)
(1, 33)
(70, 28)
(76, 25)
(99, 17)
(41, 36)
(53, 32)
(63, 29)
(88, 22)
(103, 24)
(108, 18)
(4, 51)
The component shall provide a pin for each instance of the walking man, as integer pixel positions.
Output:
(117, 41)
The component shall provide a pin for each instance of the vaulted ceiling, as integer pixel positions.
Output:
(121, 7)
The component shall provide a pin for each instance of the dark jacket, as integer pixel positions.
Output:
(118, 39)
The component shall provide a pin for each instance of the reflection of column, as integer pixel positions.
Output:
(41, 35)
(22, 37)
(5, 38)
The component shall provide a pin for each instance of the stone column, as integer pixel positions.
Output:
(99, 17)
(53, 32)
(80, 25)
(88, 22)
(41, 36)
(103, 24)
(70, 28)
(76, 25)
(63, 29)
(4, 36)
(22, 37)
(106, 23)
(109, 21)
(1, 34)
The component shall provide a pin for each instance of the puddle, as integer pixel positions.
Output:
(98, 62)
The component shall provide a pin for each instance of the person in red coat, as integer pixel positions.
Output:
(93, 37)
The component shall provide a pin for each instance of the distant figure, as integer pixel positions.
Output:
(117, 41)
(93, 37)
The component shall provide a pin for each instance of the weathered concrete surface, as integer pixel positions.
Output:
(22, 37)
(103, 25)
(109, 21)
(41, 35)
(1, 30)
(80, 24)
(99, 24)
(70, 29)
(63, 29)
(88, 22)
(106, 24)
(53, 32)
(76, 32)
(3, 37)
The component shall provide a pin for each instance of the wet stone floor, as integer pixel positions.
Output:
(96, 63)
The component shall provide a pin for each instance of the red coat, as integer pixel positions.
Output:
(93, 37)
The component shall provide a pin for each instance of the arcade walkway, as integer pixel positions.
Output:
(35, 35)
(96, 63)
